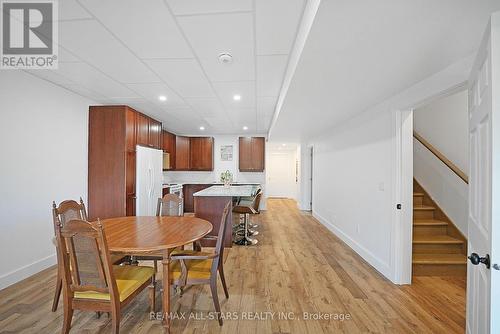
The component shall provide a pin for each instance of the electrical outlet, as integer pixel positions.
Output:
(358, 229)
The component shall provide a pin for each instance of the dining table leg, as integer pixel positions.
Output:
(166, 290)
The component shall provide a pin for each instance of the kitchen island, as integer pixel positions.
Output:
(209, 204)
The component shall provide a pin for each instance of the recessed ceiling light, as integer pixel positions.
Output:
(162, 98)
(283, 144)
(237, 97)
(245, 128)
(202, 128)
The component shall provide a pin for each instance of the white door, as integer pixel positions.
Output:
(280, 169)
(483, 281)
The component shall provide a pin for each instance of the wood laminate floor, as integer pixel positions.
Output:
(298, 267)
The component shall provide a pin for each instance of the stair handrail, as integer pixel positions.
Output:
(442, 157)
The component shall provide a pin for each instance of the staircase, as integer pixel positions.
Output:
(439, 249)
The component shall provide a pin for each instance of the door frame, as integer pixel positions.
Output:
(403, 195)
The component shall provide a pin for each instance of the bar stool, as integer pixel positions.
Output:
(254, 202)
(244, 232)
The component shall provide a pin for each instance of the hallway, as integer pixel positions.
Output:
(298, 266)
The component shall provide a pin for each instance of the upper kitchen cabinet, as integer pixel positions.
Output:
(168, 146)
(202, 153)
(182, 155)
(154, 134)
(142, 124)
(148, 131)
(252, 154)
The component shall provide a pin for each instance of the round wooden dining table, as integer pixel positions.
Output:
(145, 235)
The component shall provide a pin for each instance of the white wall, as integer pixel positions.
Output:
(43, 136)
(304, 186)
(449, 191)
(354, 171)
(445, 124)
(219, 167)
(353, 187)
(281, 173)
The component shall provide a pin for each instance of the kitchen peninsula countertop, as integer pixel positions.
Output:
(232, 191)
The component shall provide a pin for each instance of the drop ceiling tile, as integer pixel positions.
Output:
(151, 92)
(264, 123)
(185, 76)
(266, 105)
(211, 35)
(273, 38)
(92, 79)
(242, 68)
(189, 7)
(94, 44)
(85, 92)
(52, 76)
(72, 10)
(270, 73)
(66, 56)
(206, 107)
(219, 122)
(148, 30)
(227, 90)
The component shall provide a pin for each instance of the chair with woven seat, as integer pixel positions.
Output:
(194, 267)
(66, 211)
(90, 281)
(168, 205)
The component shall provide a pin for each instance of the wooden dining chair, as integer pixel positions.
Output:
(90, 281)
(195, 267)
(66, 211)
(168, 205)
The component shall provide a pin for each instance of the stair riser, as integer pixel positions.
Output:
(429, 230)
(440, 270)
(423, 214)
(418, 200)
(437, 248)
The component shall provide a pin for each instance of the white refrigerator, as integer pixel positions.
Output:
(149, 180)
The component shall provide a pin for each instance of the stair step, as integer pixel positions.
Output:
(429, 222)
(436, 239)
(424, 208)
(429, 227)
(423, 212)
(437, 244)
(418, 199)
(439, 259)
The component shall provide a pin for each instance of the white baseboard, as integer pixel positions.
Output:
(26, 271)
(374, 261)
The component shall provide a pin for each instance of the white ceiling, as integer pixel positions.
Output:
(359, 53)
(132, 51)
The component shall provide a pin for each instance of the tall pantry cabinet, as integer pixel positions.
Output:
(114, 132)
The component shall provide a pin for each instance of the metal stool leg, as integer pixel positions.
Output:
(246, 240)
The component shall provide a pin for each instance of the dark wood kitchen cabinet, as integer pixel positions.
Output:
(168, 146)
(114, 132)
(202, 153)
(252, 154)
(154, 134)
(142, 129)
(182, 153)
